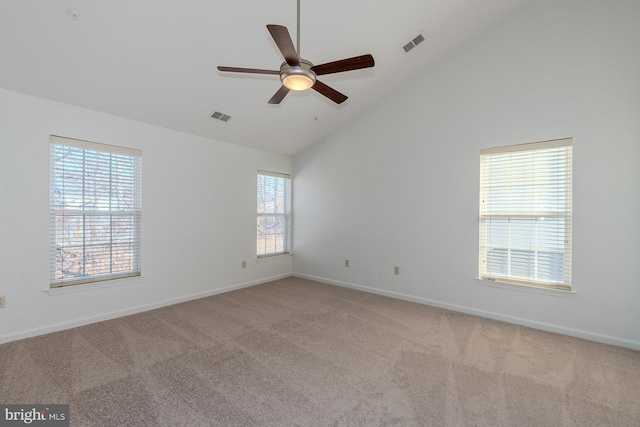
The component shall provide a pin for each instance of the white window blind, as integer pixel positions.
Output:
(525, 214)
(274, 214)
(95, 212)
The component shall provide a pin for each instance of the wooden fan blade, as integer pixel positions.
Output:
(247, 70)
(279, 96)
(349, 64)
(329, 92)
(282, 38)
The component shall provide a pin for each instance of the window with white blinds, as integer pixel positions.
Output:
(95, 212)
(525, 214)
(274, 214)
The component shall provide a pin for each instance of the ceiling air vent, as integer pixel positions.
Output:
(220, 116)
(413, 43)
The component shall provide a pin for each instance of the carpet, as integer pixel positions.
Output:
(294, 352)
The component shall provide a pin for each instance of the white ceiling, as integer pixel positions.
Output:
(155, 60)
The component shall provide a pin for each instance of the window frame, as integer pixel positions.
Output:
(285, 215)
(563, 214)
(61, 215)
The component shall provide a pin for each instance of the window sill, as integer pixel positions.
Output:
(93, 285)
(525, 288)
(273, 257)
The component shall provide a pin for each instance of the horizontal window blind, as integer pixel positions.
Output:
(274, 214)
(95, 212)
(525, 214)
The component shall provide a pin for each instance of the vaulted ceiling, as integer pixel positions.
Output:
(155, 60)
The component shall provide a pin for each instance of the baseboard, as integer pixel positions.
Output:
(132, 310)
(578, 333)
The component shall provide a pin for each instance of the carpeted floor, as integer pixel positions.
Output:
(299, 353)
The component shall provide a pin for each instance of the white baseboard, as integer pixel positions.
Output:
(591, 336)
(132, 310)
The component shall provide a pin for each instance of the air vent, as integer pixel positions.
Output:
(220, 116)
(413, 43)
(407, 47)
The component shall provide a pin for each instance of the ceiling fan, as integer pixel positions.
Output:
(300, 74)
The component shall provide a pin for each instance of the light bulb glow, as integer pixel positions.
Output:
(298, 82)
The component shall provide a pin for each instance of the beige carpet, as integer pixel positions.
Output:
(299, 353)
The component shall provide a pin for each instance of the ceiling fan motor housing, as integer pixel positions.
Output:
(298, 77)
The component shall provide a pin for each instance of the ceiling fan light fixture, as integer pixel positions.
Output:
(298, 77)
(298, 82)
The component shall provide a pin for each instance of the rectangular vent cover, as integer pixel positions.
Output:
(419, 39)
(220, 116)
(413, 43)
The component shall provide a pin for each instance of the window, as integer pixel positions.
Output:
(274, 214)
(525, 214)
(95, 212)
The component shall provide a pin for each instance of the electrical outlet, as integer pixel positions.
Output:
(396, 270)
(3, 301)
(346, 263)
(244, 264)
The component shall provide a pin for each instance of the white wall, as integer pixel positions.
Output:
(198, 220)
(399, 185)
